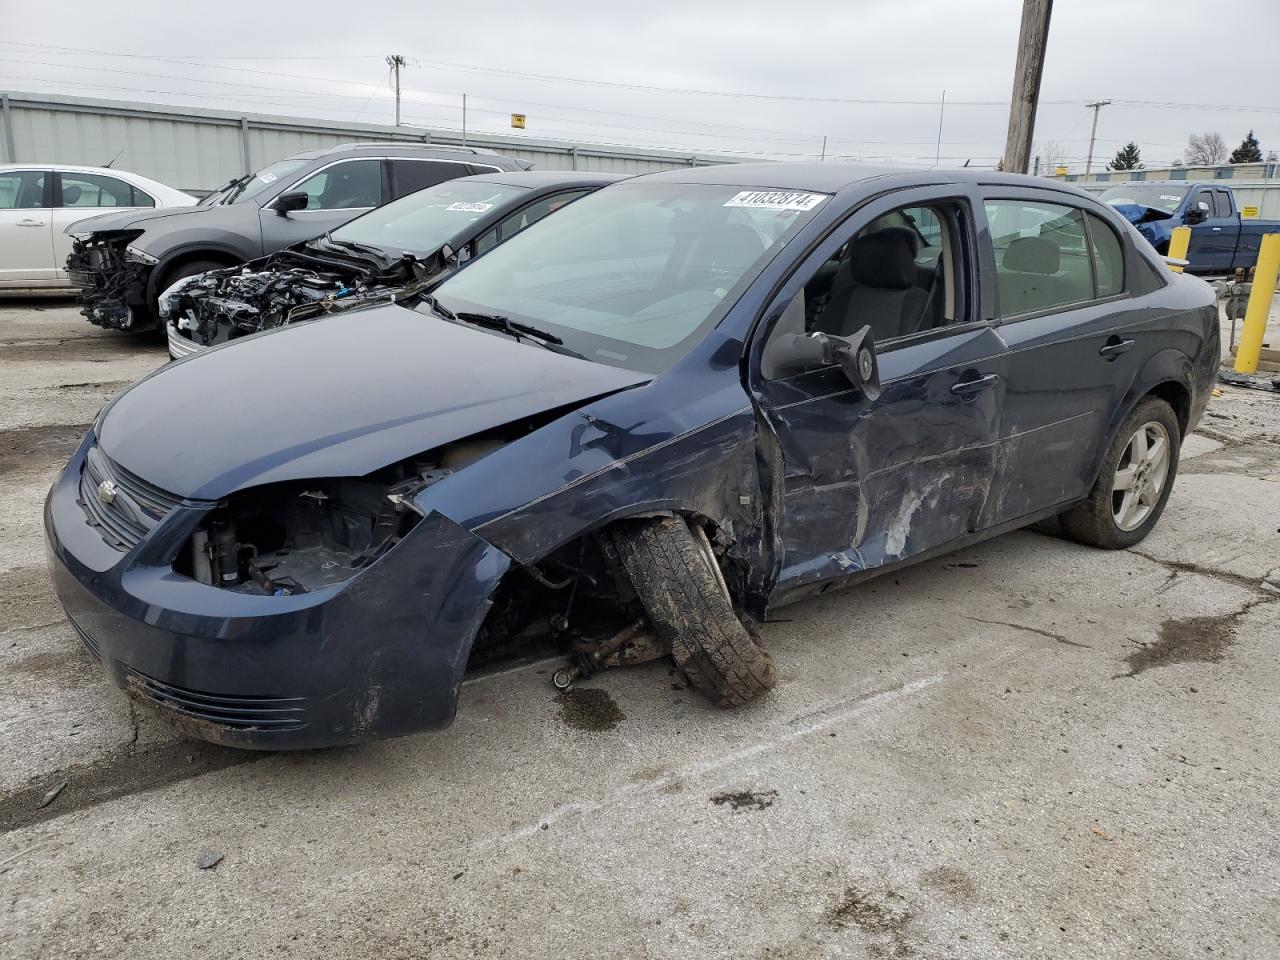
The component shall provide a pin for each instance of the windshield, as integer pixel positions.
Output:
(635, 274)
(424, 221)
(264, 179)
(1159, 197)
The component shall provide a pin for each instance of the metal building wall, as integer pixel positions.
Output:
(196, 149)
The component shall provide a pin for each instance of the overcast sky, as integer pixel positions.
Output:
(580, 71)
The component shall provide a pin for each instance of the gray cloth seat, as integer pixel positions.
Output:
(876, 285)
(1028, 281)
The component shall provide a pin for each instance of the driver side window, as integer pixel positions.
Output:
(900, 275)
(344, 186)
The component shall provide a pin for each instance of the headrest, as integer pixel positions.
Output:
(1032, 255)
(70, 194)
(884, 259)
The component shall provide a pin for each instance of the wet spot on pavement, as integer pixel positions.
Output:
(746, 799)
(587, 708)
(1191, 640)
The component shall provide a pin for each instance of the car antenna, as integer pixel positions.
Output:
(113, 160)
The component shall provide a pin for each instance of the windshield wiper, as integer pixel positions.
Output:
(430, 300)
(495, 321)
(521, 331)
(380, 255)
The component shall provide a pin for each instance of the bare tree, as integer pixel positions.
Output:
(1052, 155)
(1205, 149)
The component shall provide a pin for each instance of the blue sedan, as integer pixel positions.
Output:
(632, 431)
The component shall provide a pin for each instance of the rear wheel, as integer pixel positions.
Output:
(1134, 483)
(679, 583)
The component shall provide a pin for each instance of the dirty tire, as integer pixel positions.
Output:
(688, 605)
(1094, 521)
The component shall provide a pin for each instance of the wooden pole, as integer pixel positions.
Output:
(1027, 71)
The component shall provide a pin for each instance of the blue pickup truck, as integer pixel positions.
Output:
(1221, 239)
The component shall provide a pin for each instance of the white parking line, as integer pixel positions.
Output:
(831, 714)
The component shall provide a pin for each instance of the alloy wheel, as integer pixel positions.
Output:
(1140, 476)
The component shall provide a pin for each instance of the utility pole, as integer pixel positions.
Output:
(464, 119)
(1027, 71)
(1096, 107)
(395, 62)
(937, 159)
(824, 149)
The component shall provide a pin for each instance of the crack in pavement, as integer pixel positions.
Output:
(1056, 637)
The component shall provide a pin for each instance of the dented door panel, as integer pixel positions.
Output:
(868, 484)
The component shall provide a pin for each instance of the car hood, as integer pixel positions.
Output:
(1137, 213)
(342, 396)
(132, 219)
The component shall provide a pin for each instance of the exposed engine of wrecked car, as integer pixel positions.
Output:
(289, 286)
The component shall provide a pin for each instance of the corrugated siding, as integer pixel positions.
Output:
(202, 149)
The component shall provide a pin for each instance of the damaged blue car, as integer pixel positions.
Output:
(630, 432)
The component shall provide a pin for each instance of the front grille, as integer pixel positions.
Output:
(241, 713)
(131, 509)
(90, 644)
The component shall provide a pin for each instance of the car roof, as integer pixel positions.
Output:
(550, 179)
(395, 148)
(836, 176)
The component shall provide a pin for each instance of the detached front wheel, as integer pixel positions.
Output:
(679, 583)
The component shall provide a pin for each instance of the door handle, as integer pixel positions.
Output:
(965, 387)
(1114, 347)
(31, 223)
(1217, 229)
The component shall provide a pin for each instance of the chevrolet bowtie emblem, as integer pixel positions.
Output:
(107, 492)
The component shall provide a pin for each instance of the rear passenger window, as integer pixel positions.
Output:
(1042, 256)
(415, 175)
(95, 190)
(1108, 257)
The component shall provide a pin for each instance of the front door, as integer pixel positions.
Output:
(872, 482)
(1213, 241)
(1060, 292)
(336, 194)
(26, 228)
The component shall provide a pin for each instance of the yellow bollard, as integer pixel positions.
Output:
(1255, 315)
(1179, 242)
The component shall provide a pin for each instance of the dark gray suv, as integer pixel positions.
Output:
(122, 262)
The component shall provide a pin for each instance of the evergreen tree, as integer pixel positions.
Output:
(1128, 157)
(1248, 151)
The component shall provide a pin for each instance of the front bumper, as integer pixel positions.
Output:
(380, 655)
(180, 342)
(113, 288)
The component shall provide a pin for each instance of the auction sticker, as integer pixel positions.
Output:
(776, 200)
(464, 207)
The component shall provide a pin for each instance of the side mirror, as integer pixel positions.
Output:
(447, 255)
(856, 356)
(293, 200)
(1198, 212)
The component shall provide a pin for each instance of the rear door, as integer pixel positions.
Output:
(80, 195)
(338, 192)
(1063, 310)
(26, 228)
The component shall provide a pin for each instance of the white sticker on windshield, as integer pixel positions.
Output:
(267, 177)
(776, 200)
(1165, 196)
(463, 207)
